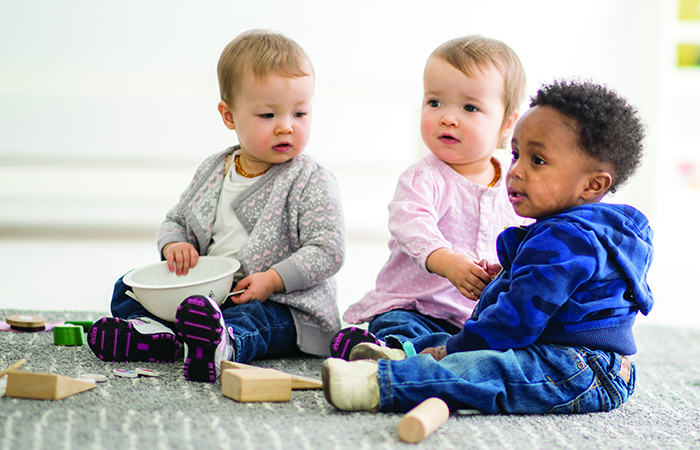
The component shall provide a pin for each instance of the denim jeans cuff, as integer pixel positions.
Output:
(383, 375)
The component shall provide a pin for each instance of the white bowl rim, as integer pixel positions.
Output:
(235, 265)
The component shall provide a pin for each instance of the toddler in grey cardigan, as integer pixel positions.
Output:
(262, 202)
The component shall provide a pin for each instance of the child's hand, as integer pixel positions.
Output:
(493, 269)
(258, 286)
(181, 257)
(437, 352)
(463, 271)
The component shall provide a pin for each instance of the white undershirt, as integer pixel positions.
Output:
(228, 234)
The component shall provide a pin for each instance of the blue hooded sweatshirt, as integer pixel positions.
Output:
(577, 278)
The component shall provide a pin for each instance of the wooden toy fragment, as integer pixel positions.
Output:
(98, 377)
(26, 322)
(68, 334)
(298, 382)
(423, 420)
(44, 386)
(256, 385)
(125, 373)
(13, 367)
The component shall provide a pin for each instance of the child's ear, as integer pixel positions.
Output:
(598, 184)
(226, 115)
(507, 129)
(510, 123)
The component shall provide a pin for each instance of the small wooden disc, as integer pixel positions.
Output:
(98, 377)
(125, 373)
(25, 321)
(147, 372)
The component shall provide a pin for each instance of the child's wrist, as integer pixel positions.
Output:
(438, 261)
(275, 280)
(166, 247)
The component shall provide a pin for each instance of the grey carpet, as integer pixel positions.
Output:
(170, 413)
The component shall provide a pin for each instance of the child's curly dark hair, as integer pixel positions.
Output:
(609, 128)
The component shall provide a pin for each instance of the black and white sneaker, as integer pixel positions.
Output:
(208, 341)
(138, 339)
(347, 338)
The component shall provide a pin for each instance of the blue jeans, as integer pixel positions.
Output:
(537, 379)
(260, 330)
(399, 325)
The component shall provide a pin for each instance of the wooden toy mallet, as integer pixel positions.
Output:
(423, 420)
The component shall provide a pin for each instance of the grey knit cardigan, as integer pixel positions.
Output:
(295, 225)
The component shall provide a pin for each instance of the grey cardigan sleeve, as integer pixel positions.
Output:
(321, 229)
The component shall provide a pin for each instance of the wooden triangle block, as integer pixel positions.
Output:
(298, 383)
(256, 385)
(44, 386)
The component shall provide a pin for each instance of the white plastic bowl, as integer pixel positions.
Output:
(161, 291)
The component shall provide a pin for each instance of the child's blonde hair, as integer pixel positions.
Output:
(471, 53)
(260, 52)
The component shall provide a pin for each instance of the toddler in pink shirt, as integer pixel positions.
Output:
(448, 207)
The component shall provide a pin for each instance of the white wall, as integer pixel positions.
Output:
(107, 108)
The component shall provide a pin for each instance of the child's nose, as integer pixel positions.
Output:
(284, 127)
(449, 120)
(514, 171)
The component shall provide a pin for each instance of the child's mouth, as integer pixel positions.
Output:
(448, 139)
(282, 148)
(515, 196)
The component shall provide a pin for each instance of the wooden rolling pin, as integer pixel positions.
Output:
(422, 420)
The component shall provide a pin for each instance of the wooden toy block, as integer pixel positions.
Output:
(13, 367)
(26, 322)
(256, 385)
(298, 382)
(86, 324)
(44, 386)
(422, 420)
(68, 334)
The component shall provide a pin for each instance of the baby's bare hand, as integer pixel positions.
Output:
(436, 352)
(181, 257)
(467, 276)
(492, 269)
(462, 270)
(258, 286)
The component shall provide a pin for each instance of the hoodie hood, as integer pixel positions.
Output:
(625, 234)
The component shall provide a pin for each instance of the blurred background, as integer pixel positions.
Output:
(107, 108)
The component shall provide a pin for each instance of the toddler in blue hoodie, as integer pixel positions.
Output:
(551, 332)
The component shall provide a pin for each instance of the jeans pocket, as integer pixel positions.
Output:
(607, 390)
(581, 404)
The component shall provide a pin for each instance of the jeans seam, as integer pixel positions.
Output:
(388, 395)
(603, 380)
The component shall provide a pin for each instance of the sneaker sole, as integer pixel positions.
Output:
(112, 339)
(347, 338)
(199, 327)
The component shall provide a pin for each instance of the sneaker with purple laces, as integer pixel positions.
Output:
(347, 338)
(208, 341)
(138, 339)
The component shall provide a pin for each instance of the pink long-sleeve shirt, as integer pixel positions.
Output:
(435, 207)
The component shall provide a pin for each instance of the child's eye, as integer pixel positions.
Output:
(434, 103)
(267, 116)
(515, 154)
(300, 114)
(536, 160)
(470, 108)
